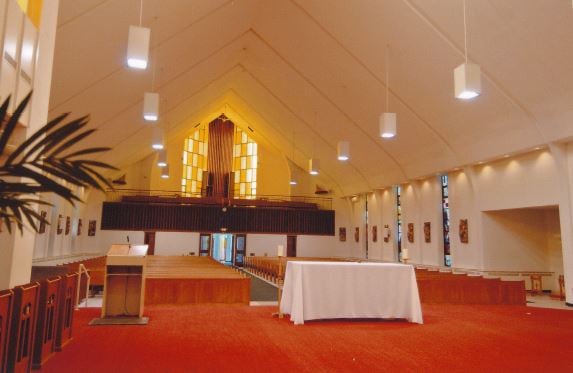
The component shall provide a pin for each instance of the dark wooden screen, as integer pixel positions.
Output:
(193, 218)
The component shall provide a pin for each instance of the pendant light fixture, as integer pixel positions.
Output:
(157, 139)
(292, 176)
(138, 44)
(387, 120)
(151, 106)
(314, 163)
(162, 158)
(467, 76)
(165, 172)
(343, 149)
(313, 166)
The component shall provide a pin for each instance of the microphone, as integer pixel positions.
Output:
(127, 239)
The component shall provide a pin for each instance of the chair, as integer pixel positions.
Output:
(536, 285)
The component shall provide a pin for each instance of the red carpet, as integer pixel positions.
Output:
(201, 338)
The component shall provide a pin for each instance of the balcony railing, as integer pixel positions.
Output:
(168, 196)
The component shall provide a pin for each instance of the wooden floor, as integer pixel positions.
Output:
(191, 279)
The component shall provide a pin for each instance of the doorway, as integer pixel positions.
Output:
(222, 248)
(226, 248)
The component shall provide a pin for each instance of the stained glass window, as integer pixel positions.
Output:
(194, 162)
(245, 161)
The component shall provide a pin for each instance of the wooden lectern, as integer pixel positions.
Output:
(124, 286)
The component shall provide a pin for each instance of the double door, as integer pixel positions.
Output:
(226, 248)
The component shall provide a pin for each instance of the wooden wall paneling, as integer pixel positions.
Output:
(23, 327)
(67, 305)
(197, 290)
(6, 305)
(193, 218)
(48, 308)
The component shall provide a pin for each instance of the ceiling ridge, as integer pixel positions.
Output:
(329, 100)
(376, 78)
(165, 84)
(148, 151)
(291, 111)
(282, 135)
(175, 106)
(151, 50)
(484, 72)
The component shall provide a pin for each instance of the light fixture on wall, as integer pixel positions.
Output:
(162, 158)
(467, 76)
(165, 172)
(138, 44)
(157, 141)
(343, 150)
(387, 120)
(313, 166)
(151, 106)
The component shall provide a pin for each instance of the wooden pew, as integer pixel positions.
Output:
(433, 286)
(48, 309)
(68, 286)
(6, 303)
(445, 287)
(23, 327)
(189, 279)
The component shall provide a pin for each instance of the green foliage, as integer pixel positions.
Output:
(40, 163)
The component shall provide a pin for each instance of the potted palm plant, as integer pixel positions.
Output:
(40, 163)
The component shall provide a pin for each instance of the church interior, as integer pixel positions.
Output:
(396, 175)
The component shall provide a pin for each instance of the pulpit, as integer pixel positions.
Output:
(124, 287)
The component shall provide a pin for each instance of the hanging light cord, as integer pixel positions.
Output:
(387, 76)
(293, 146)
(153, 66)
(140, 13)
(465, 33)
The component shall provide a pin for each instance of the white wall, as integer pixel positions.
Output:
(176, 243)
(261, 244)
(516, 240)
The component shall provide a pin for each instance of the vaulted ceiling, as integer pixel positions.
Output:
(314, 70)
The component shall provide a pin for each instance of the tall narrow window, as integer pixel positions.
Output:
(245, 160)
(446, 221)
(194, 162)
(399, 222)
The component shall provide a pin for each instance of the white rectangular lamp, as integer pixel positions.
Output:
(313, 166)
(162, 158)
(165, 172)
(467, 81)
(343, 150)
(151, 106)
(157, 140)
(387, 123)
(138, 47)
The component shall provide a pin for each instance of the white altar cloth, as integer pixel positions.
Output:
(329, 290)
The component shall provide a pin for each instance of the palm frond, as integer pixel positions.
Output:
(44, 159)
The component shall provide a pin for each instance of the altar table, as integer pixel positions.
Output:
(332, 290)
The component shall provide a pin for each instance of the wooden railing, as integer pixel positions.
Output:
(178, 197)
(434, 286)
